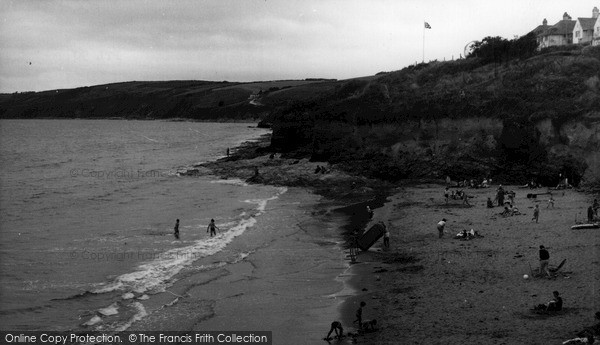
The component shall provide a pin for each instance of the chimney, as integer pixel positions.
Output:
(595, 12)
(566, 16)
(545, 22)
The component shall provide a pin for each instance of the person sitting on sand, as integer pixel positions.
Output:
(511, 197)
(514, 211)
(463, 235)
(490, 203)
(506, 211)
(369, 325)
(555, 304)
(335, 327)
(592, 330)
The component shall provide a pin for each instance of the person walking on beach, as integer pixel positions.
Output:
(386, 237)
(359, 314)
(176, 233)
(446, 194)
(544, 258)
(440, 227)
(212, 228)
(536, 213)
(465, 199)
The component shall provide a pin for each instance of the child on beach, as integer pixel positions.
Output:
(176, 233)
(550, 201)
(359, 314)
(336, 326)
(536, 213)
(212, 228)
(386, 237)
(440, 227)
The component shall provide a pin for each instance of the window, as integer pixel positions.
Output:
(577, 33)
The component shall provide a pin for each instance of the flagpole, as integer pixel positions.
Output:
(423, 41)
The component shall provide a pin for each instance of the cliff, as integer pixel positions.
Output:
(515, 120)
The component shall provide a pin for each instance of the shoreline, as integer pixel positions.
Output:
(350, 194)
(429, 288)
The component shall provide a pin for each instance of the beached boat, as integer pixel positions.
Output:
(586, 226)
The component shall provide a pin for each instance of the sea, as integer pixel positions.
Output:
(88, 209)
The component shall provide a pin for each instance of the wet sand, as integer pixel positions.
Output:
(288, 282)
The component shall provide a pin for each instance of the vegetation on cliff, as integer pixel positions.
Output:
(359, 123)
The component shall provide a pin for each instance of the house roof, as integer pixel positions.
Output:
(587, 23)
(563, 27)
(539, 30)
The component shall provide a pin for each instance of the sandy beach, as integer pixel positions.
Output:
(427, 290)
(430, 290)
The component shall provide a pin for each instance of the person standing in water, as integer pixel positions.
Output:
(176, 233)
(212, 228)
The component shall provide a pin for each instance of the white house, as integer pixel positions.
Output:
(583, 31)
(559, 34)
(596, 39)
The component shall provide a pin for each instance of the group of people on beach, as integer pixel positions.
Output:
(506, 199)
(456, 195)
(472, 183)
(363, 325)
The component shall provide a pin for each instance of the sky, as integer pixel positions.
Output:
(57, 44)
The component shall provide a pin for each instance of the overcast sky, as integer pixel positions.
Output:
(64, 44)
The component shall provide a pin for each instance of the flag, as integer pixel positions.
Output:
(427, 26)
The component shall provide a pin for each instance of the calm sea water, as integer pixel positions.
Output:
(87, 209)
